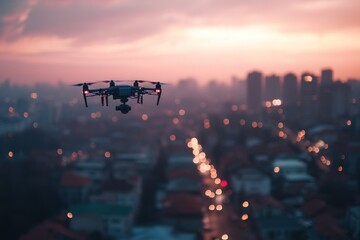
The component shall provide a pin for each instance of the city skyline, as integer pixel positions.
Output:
(48, 41)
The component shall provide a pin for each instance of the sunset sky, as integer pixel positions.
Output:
(87, 40)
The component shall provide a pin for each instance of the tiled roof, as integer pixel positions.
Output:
(71, 179)
(182, 204)
(118, 186)
(50, 230)
(100, 209)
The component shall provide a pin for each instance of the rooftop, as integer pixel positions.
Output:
(290, 162)
(51, 230)
(100, 209)
(71, 179)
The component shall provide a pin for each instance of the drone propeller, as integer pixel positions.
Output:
(83, 84)
(158, 91)
(152, 82)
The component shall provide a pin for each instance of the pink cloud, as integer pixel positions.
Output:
(98, 20)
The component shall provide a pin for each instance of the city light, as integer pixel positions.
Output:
(208, 192)
(114, 119)
(212, 207)
(144, 117)
(245, 204)
(107, 154)
(172, 137)
(223, 183)
(217, 181)
(59, 151)
(202, 155)
(194, 141)
(182, 112)
(69, 215)
(244, 217)
(11, 154)
(206, 123)
(276, 102)
(175, 121)
(196, 152)
(281, 134)
(308, 78)
(276, 169)
(226, 121)
(34, 95)
(224, 237)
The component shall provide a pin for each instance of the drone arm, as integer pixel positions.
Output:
(85, 100)
(138, 97)
(158, 98)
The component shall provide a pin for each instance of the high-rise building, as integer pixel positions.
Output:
(308, 98)
(326, 77)
(290, 97)
(326, 102)
(290, 90)
(341, 99)
(326, 96)
(254, 92)
(272, 87)
(238, 90)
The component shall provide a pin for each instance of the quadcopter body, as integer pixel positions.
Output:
(121, 92)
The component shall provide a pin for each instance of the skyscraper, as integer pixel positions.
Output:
(326, 77)
(272, 87)
(341, 99)
(290, 97)
(290, 90)
(326, 102)
(308, 98)
(254, 92)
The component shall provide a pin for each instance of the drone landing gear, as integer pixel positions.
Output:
(124, 108)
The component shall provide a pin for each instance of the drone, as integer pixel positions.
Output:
(122, 92)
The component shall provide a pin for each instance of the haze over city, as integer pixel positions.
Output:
(72, 41)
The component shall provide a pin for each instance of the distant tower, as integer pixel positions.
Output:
(326, 102)
(238, 90)
(341, 99)
(254, 92)
(188, 87)
(326, 77)
(290, 97)
(308, 98)
(290, 90)
(272, 87)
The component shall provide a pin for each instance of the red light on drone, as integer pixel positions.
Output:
(158, 91)
(223, 183)
(86, 92)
